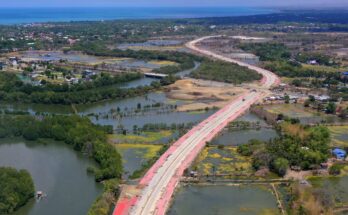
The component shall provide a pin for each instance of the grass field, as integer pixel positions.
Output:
(291, 110)
(320, 68)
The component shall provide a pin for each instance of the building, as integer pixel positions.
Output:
(312, 62)
(339, 153)
(322, 98)
(88, 73)
(345, 77)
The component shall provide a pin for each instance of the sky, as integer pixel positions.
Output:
(173, 3)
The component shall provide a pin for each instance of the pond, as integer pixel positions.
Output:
(162, 114)
(135, 155)
(335, 186)
(58, 171)
(213, 160)
(222, 200)
(339, 136)
(238, 137)
(130, 104)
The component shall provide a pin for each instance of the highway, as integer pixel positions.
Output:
(269, 77)
(160, 181)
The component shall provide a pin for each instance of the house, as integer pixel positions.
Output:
(88, 73)
(13, 61)
(322, 98)
(345, 75)
(312, 62)
(72, 80)
(339, 153)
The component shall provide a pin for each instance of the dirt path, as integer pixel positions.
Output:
(280, 205)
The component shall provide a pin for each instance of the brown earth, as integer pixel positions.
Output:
(202, 94)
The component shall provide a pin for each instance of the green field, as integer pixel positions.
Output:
(291, 110)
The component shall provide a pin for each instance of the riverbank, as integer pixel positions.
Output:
(58, 171)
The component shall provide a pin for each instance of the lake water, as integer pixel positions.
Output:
(34, 15)
(223, 200)
(58, 171)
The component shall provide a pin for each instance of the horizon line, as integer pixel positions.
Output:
(181, 6)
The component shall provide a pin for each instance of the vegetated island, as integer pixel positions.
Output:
(16, 189)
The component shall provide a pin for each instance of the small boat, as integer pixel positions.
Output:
(39, 195)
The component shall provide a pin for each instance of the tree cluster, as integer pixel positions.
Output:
(102, 88)
(74, 130)
(16, 189)
(297, 145)
(224, 72)
(267, 51)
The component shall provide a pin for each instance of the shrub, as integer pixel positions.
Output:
(335, 169)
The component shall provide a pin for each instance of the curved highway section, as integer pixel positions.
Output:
(159, 183)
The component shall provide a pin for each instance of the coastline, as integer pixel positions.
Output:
(15, 16)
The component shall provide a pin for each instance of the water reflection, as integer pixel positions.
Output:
(58, 171)
(222, 200)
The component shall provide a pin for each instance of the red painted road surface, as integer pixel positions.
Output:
(160, 202)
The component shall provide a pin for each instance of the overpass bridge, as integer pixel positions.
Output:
(159, 183)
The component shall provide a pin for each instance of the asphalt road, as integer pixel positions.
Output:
(158, 188)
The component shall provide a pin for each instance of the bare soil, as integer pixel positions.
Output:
(202, 94)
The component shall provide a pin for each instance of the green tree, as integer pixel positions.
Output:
(335, 169)
(31, 133)
(16, 188)
(280, 166)
(331, 108)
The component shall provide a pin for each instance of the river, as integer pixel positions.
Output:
(58, 171)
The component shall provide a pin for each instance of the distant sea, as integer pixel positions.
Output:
(37, 15)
